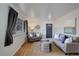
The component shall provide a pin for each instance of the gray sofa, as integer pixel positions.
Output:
(72, 47)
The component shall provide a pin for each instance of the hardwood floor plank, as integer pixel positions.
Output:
(24, 50)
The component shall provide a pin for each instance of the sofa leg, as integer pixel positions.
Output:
(66, 53)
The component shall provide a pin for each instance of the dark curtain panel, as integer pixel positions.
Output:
(24, 26)
(12, 17)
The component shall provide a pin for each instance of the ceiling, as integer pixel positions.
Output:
(46, 10)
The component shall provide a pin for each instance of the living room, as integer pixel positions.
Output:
(44, 23)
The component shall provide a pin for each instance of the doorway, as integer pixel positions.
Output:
(48, 30)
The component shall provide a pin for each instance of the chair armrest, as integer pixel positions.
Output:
(72, 47)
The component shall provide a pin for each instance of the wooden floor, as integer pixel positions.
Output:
(33, 49)
(24, 50)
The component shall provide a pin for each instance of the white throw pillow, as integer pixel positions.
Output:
(68, 40)
(31, 35)
(56, 36)
(37, 34)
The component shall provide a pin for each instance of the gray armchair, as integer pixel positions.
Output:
(34, 37)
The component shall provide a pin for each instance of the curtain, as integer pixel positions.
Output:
(26, 29)
(24, 26)
(12, 17)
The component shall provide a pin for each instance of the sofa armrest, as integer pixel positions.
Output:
(72, 48)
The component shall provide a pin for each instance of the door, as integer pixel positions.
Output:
(48, 30)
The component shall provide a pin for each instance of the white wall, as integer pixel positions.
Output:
(43, 26)
(60, 22)
(19, 38)
(32, 22)
(42, 22)
(3, 19)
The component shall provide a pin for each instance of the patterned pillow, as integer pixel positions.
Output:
(68, 40)
(63, 38)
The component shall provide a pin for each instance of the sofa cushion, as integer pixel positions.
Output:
(59, 44)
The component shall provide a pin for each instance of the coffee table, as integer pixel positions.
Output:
(46, 46)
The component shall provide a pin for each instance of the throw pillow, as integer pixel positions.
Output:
(61, 37)
(56, 36)
(37, 35)
(68, 40)
(30, 35)
(64, 38)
